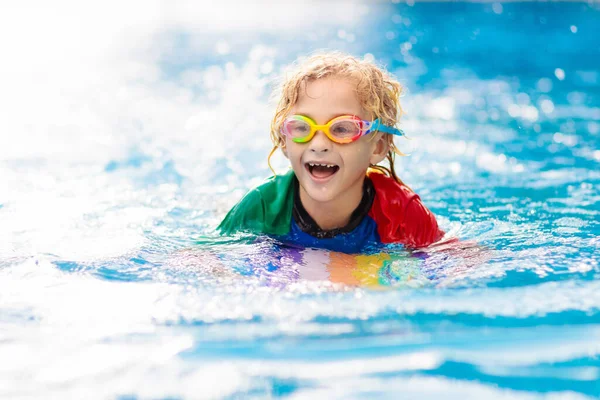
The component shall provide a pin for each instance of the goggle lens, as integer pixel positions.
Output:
(346, 129)
(296, 128)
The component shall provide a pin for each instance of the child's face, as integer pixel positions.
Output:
(323, 100)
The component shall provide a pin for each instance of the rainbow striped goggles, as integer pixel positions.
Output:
(343, 129)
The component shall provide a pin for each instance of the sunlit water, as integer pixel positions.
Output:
(126, 136)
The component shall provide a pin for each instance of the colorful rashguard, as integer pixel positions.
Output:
(389, 213)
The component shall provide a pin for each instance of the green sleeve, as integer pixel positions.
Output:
(265, 209)
(247, 215)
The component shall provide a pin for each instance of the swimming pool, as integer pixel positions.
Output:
(127, 135)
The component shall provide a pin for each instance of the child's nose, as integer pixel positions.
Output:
(320, 142)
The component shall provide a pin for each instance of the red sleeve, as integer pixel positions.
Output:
(420, 226)
(400, 215)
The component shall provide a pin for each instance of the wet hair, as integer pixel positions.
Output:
(377, 91)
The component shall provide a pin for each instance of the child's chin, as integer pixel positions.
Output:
(320, 195)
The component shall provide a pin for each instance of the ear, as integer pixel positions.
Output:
(380, 149)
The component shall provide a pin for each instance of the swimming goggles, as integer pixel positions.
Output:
(343, 129)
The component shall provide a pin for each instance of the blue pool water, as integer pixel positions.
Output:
(122, 151)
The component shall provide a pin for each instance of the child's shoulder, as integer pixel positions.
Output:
(276, 185)
(265, 209)
(400, 215)
(389, 190)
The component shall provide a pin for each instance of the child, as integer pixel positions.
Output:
(335, 123)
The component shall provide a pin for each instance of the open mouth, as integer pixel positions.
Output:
(321, 170)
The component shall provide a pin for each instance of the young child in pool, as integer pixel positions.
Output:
(335, 122)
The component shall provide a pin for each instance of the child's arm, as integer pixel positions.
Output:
(400, 215)
(420, 226)
(247, 215)
(267, 209)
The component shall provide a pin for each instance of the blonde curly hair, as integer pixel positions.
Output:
(378, 93)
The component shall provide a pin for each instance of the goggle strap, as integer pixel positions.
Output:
(378, 126)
